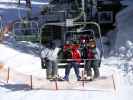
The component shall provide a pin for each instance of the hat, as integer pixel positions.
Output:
(92, 43)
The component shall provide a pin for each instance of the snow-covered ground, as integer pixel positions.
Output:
(26, 62)
(24, 57)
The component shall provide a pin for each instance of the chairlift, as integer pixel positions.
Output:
(71, 36)
(75, 35)
(26, 31)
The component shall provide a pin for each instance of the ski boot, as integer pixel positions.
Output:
(87, 78)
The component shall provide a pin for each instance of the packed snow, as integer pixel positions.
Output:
(24, 57)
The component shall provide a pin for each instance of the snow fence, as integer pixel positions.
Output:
(12, 77)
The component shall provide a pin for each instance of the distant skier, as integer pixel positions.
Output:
(49, 55)
(28, 3)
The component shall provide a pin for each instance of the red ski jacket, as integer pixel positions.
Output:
(76, 55)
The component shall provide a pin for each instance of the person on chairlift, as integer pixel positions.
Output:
(49, 55)
(93, 56)
(74, 60)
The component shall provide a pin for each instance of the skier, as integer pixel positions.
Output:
(93, 56)
(74, 59)
(28, 3)
(49, 55)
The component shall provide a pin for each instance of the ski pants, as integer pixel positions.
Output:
(92, 64)
(76, 67)
(52, 68)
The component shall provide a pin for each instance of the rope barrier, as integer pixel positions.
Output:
(12, 76)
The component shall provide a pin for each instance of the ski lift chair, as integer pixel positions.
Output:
(74, 35)
(26, 31)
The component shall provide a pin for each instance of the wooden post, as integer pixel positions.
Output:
(8, 74)
(56, 85)
(113, 82)
(1, 66)
(31, 82)
(1, 36)
(83, 83)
